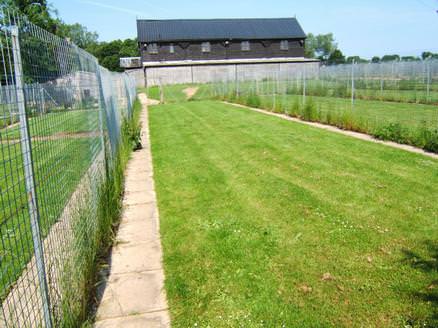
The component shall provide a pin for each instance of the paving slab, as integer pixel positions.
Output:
(139, 212)
(142, 185)
(139, 197)
(134, 294)
(134, 232)
(137, 176)
(150, 320)
(128, 258)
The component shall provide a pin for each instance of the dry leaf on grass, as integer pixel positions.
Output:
(327, 277)
(305, 289)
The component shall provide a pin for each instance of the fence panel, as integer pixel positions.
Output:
(394, 101)
(60, 120)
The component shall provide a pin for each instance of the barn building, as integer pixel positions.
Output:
(190, 50)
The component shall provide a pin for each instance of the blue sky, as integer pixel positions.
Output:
(365, 28)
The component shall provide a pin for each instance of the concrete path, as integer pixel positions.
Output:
(331, 128)
(134, 295)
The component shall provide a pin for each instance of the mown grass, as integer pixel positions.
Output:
(175, 93)
(270, 223)
(411, 124)
(374, 112)
(403, 122)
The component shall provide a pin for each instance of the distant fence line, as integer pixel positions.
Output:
(61, 117)
(411, 81)
(395, 69)
(394, 101)
(420, 77)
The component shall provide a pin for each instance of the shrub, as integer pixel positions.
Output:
(309, 112)
(329, 118)
(295, 109)
(347, 121)
(393, 131)
(432, 141)
(294, 90)
(318, 90)
(341, 91)
(253, 100)
(277, 106)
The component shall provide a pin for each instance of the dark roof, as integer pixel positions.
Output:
(218, 29)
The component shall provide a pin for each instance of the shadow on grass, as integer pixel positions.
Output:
(429, 293)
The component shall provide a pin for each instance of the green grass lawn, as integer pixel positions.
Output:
(172, 93)
(373, 112)
(267, 222)
(175, 93)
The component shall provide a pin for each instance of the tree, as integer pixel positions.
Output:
(375, 59)
(336, 58)
(410, 58)
(320, 46)
(79, 35)
(39, 12)
(389, 58)
(42, 14)
(428, 55)
(109, 53)
(356, 59)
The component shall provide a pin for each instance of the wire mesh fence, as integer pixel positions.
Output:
(396, 101)
(60, 123)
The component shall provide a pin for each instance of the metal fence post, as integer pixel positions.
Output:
(102, 106)
(352, 83)
(43, 101)
(128, 98)
(428, 72)
(236, 81)
(304, 86)
(161, 92)
(29, 177)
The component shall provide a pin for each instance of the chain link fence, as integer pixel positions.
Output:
(60, 128)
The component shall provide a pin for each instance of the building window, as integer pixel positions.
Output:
(206, 47)
(284, 45)
(245, 46)
(172, 48)
(153, 48)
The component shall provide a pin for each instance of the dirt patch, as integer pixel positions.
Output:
(190, 92)
(147, 101)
